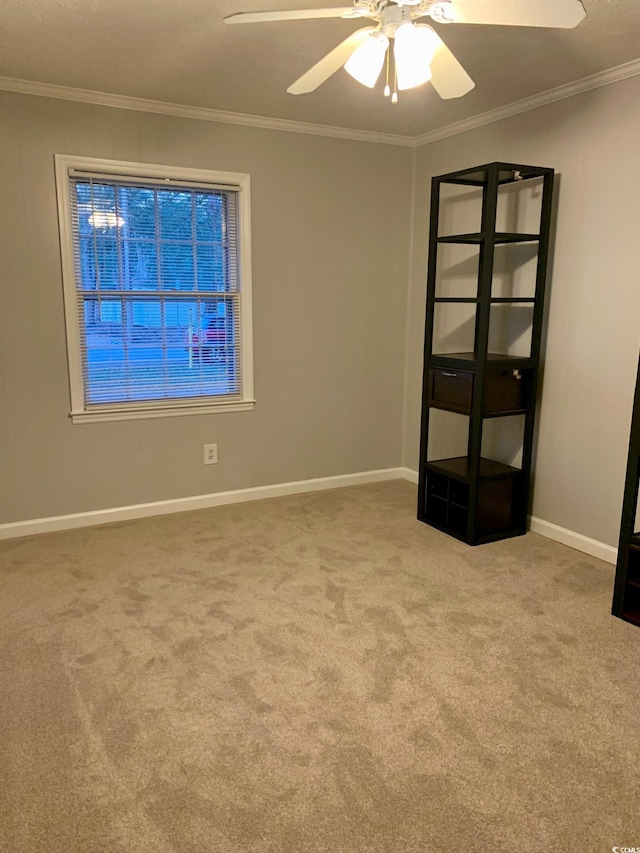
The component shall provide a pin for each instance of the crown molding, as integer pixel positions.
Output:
(126, 102)
(569, 90)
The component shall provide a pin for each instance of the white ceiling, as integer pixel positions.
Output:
(182, 53)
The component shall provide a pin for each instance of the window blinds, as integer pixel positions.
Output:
(157, 290)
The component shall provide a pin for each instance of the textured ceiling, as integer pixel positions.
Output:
(183, 53)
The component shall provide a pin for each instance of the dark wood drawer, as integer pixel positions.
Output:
(450, 389)
(505, 391)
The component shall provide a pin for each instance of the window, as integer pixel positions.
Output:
(157, 288)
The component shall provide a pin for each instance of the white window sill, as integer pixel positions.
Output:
(131, 414)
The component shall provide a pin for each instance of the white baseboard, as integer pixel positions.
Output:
(12, 530)
(15, 529)
(574, 540)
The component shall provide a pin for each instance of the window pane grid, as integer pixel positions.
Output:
(157, 292)
(119, 248)
(159, 348)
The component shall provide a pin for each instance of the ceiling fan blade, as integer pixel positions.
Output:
(449, 78)
(330, 63)
(292, 15)
(519, 13)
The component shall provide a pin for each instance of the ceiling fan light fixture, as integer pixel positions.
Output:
(413, 52)
(365, 63)
(443, 12)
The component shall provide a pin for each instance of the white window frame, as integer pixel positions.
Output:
(80, 413)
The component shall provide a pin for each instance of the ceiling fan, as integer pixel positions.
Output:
(419, 54)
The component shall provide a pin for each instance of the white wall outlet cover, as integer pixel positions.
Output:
(210, 454)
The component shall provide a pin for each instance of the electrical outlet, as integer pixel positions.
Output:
(210, 454)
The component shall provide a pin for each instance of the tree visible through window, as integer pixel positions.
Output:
(157, 289)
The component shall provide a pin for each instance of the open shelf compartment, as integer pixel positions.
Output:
(449, 500)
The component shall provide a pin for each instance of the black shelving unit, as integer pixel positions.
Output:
(626, 594)
(473, 498)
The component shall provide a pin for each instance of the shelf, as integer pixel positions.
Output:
(496, 300)
(447, 503)
(506, 413)
(630, 566)
(458, 468)
(500, 237)
(468, 360)
(477, 177)
(626, 592)
(473, 498)
(456, 299)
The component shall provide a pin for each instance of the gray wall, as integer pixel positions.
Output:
(334, 323)
(594, 307)
(331, 230)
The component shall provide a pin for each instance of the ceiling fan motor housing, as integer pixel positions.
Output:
(392, 17)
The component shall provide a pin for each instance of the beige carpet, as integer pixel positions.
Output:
(313, 673)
